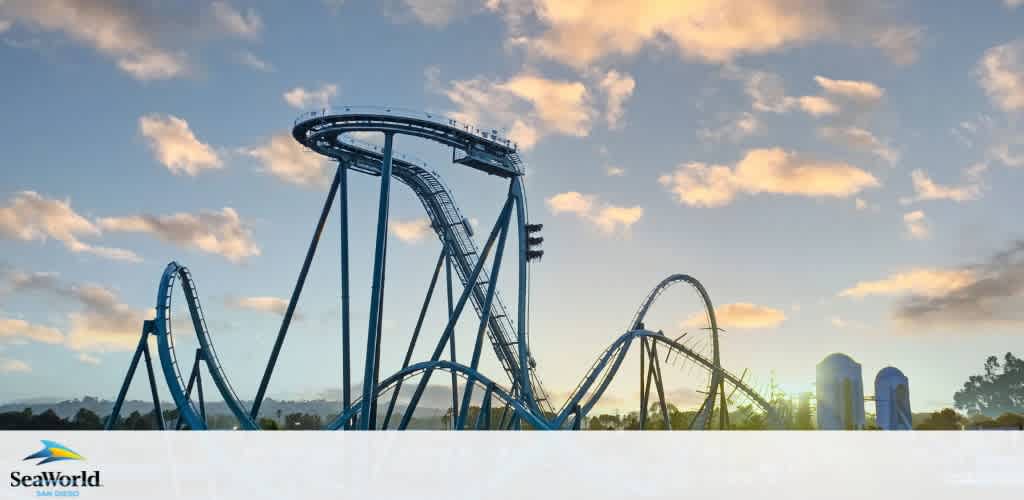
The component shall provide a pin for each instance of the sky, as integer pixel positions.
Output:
(841, 177)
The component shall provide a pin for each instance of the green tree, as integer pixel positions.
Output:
(997, 391)
(87, 420)
(944, 420)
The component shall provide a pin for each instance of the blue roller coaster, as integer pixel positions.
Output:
(518, 400)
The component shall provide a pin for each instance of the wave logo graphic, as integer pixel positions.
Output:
(52, 452)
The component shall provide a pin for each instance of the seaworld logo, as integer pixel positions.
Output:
(53, 451)
(59, 481)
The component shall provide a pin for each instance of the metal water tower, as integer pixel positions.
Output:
(840, 393)
(892, 400)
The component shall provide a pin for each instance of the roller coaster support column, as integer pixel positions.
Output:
(367, 419)
(286, 322)
(346, 377)
(485, 316)
(525, 389)
(142, 349)
(503, 219)
(451, 340)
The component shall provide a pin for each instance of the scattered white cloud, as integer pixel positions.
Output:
(436, 13)
(741, 315)
(119, 30)
(176, 147)
(103, 323)
(89, 359)
(10, 365)
(410, 231)
(608, 218)
(287, 160)
(617, 87)
(274, 305)
(220, 233)
(927, 282)
(734, 129)
(527, 107)
(18, 330)
(30, 216)
(772, 170)
(926, 189)
(614, 171)
(246, 24)
(5, 25)
(856, 90)
(817, 105)
(1001, 73)
(303, 98)
(255, 62)
(917, 225)
(900, 43)
(861, 139)
(1013, 3)
(584, 32)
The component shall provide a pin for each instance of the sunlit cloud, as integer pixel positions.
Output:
(917, 225)
(900, 43)
(862, 91)
(607, 218)
(30, 216)
(741, 315)
(772, 171)
(220, 233)
(617, 87)
(927, 189)
(246, 24)
(287, 160)
(89, 359)
(410, 231)
(10, 365)
(274, 305)
(302, 98)
(176, 146)
(860, 139)
(1001, 73)
(15, 330)
(919, 281)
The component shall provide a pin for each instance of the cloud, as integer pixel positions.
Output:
(606, 217)
(926, 282)
(736, 128)
(273, 305)
(583, 32)
(926, 189)
(860, 139)
(103, 323)
(765, 171)
(865, 92)
(817, 105)
(436, 13)
(32, 217)
(21, 330)
(1001, 74)
(244, 25)
(741, 315)
(617, 87)
(88, 359)
(614, 171)
(221, 233)
(253, 61)
(767, 93)
(119, 30)
(917, 225)
(4, 25)
(9, 365)
(410, 231)
(992, 298)
(1013, 3)
(900, 43)
(289, 161)
(528, 106)
(176, 147)
(302, 98)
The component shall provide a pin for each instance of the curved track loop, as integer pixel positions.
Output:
(604, 370)
(470, 375)
(168, 358)
(323, 134)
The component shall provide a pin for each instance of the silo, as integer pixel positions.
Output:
(840, 393)
(892, 400)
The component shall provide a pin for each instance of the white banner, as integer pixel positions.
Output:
(520, 466)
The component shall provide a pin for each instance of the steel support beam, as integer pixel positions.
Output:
(377, 288)
(290, 311)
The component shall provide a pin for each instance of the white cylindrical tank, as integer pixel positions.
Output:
(892, 400)
(840, 393)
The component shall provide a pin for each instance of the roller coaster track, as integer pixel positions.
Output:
(525, 400)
